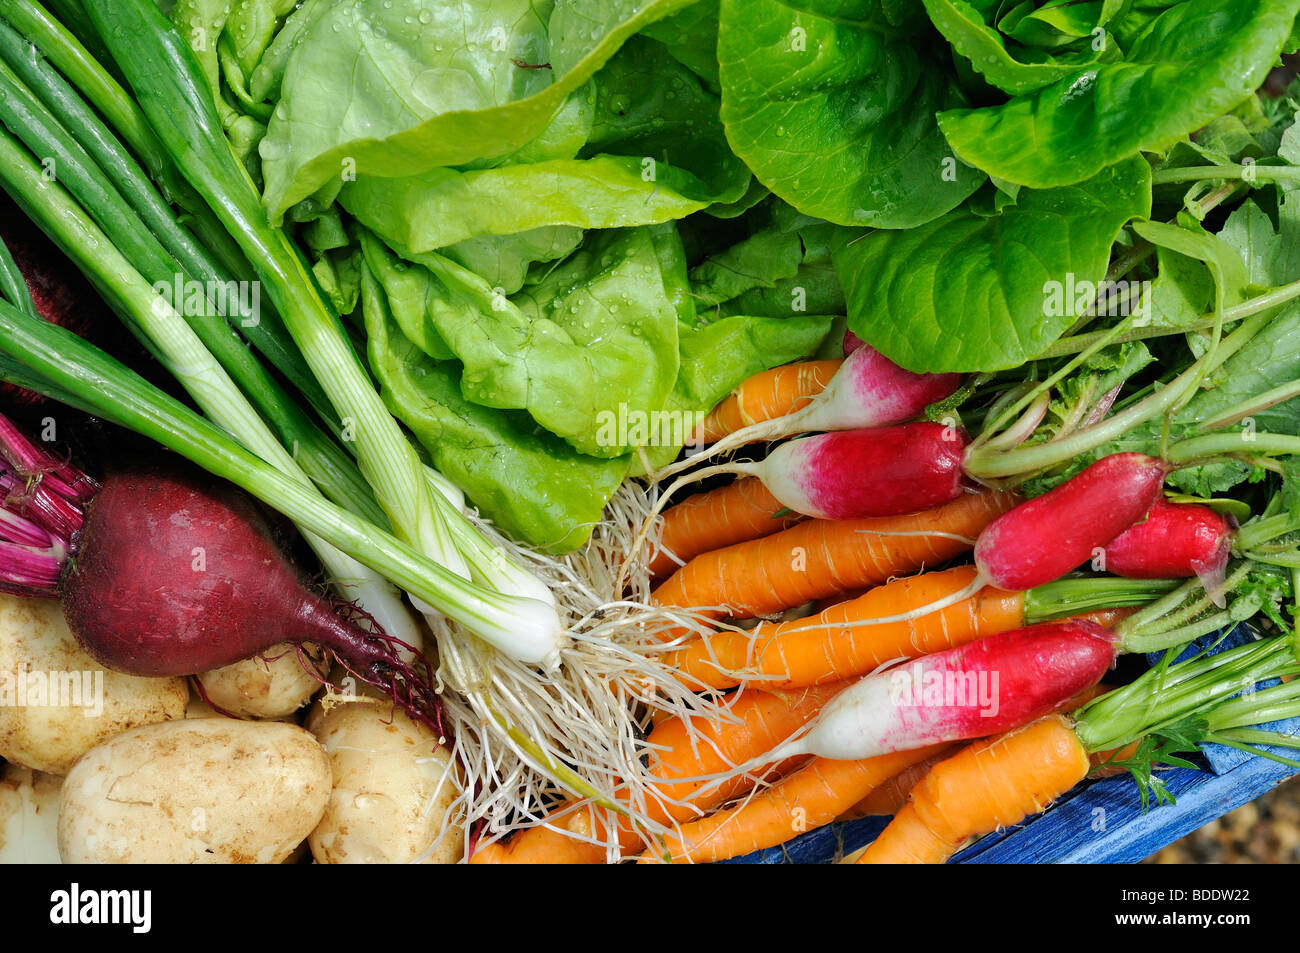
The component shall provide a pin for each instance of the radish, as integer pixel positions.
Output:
(1044, 538)
(868, 390)
(886, 471)
(852, 342)
(851, 474)
(981, 688)
(1176, 540)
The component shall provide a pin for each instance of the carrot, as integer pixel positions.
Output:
(760, 721)
(765, 396)
(811, 797)
(986, 786)
(828, 648)
(819, 558)
(543, 845)
(734, 513)
(889, 798)
(834, 645)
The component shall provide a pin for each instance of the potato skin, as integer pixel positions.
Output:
(29, 816)
(387, 770)
(34, 638)
(203, 790)
(272, 685)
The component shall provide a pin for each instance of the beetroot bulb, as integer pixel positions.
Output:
(176, 573)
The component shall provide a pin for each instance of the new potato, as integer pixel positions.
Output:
(29, 816)
(38, 649)
(393, 788)
(202, 790)
(271, 685)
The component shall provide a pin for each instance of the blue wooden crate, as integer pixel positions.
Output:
(1099, 822)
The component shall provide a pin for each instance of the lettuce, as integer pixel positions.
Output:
(373, 87)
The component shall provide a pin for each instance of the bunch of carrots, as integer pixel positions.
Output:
(841, 698)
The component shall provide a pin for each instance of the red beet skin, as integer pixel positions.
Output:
(61, 294)
(877, 471)
(177, 574)
(1175, 541)
(1044, 538)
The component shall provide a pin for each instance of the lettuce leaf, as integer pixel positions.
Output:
(836, 115)
(655, 152)
(969, 292)
(1190, 63)
(372, 87)
(596, 338)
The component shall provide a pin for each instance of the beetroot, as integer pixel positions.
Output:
(176, 575)
(61, 294)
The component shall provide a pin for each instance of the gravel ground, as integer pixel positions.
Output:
(1265, 831)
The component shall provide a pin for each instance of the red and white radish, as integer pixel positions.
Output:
(1044, 538)
(868, 390)
(981, 688)
(854, 474)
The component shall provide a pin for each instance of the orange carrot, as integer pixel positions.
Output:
(986, 786)
(809, 798)
(829, 647)
(734, 513)
(759, 721)
(1102, 766)
(819, 558)
(889, 798)
(766, 396)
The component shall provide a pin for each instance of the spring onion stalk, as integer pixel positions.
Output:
(81, 68)
(78, 136)
(44, 37)
(183, 353)
(179, 106)
(488, 564)
(177, 101)
(324, 461)
(110, 389)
